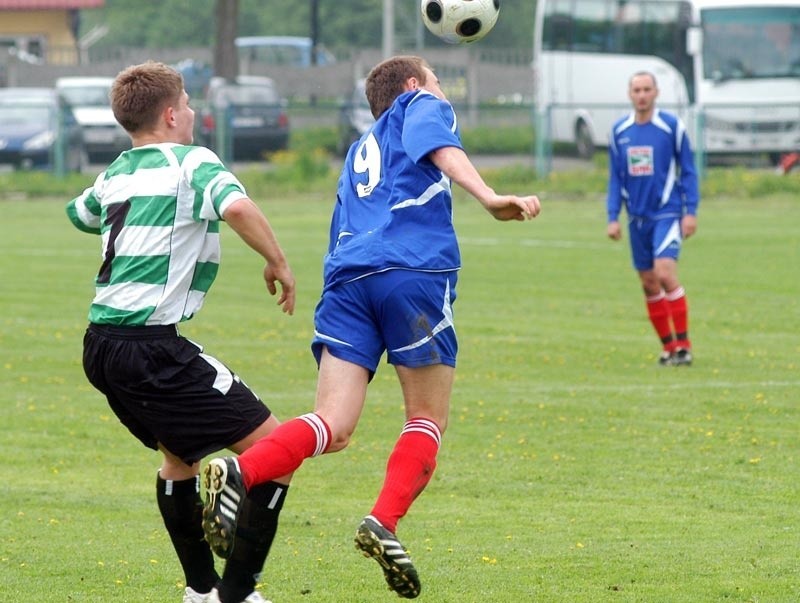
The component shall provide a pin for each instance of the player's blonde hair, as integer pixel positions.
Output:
(140, 92)
(387, 79)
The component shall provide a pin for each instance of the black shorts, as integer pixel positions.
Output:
(164, 389)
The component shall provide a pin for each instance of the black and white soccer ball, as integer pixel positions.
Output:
(460, 21)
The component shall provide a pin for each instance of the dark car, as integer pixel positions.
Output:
(249, 115)
(355, 118)
(29, 130)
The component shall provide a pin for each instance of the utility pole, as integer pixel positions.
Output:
(388, 28)
(314, 42)
(314, 30)
(226, 61)
(419, 29)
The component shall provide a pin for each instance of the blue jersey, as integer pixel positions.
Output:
(393, 205)
(651, 169)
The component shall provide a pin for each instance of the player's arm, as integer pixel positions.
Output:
(454, 163)
(250, 223)
(614, 195)
(690, 187)
(84, 212)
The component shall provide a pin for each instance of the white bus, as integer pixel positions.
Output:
(731, 67)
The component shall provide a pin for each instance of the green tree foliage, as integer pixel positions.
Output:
(153, 23)
(342, 23)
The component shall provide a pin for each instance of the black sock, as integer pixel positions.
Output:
(255, 531)
(182, 511)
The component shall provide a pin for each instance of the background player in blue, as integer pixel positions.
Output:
(651, 170)
(390, 282)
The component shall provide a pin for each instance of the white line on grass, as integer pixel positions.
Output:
(649, 387)
(493, 242)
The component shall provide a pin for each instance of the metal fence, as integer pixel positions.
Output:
(476, 77)
(487, 88)
(733, 134)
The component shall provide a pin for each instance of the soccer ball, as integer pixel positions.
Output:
(460, 21)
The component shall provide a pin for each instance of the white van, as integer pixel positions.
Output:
(103, 137)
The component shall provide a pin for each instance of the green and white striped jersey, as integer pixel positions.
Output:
(157, 208)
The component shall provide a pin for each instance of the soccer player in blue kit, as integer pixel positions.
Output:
(389, 285)
(651, 170)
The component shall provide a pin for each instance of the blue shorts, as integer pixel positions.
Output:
(406, 313)
(653, 239)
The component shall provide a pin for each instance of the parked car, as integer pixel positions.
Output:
(288, 51)
(103, 137)
(253, 113)
(355, 118)
(29, 130)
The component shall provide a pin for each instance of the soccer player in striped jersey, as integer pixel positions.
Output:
(389, 286)
(157, 209)
(651, 171)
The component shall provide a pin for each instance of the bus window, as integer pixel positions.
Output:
(557, 33)
(592, 26)
(751, 43)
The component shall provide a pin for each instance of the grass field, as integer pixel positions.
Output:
(574, 468)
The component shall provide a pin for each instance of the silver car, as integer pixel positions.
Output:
(249, 113)
(355, 118)
(103, 137)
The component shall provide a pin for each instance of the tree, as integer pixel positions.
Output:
(344, 24)
(226, 63)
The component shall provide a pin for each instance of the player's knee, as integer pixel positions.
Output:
(339, 441)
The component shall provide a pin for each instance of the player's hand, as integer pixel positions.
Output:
(512, 207)
(614, 231)
(688, 226)
(281, 274)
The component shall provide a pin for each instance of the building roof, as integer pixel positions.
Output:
(49, 4)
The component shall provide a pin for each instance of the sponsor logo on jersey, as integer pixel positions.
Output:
(640, 161)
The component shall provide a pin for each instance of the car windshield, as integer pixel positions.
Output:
(24, 115)
(247, 95)
(87, 96)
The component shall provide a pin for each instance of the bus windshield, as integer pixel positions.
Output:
(751, 43)
(730, 69)
(611, 27)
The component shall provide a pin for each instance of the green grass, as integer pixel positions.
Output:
(574, 469)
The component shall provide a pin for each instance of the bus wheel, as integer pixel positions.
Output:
(583, 141)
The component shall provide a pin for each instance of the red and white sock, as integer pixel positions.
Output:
(408, 471)
(659, 314)
(284, 450)
(679, 310)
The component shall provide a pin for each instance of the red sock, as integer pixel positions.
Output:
(658, 311)
(680, 315)
(408, 471)
(284, 450)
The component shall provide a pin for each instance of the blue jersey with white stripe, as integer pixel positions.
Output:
(651, 169)
(393, 205)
